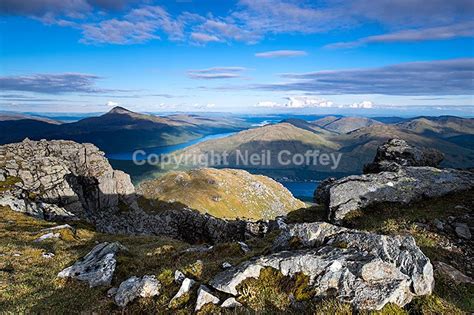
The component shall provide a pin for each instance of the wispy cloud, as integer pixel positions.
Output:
(204, 38)
(281, 53)
(444, 77)
(52, 83)
(216, 73)
(416, 35)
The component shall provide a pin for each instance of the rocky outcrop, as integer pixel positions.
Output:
(135, 287)
(51, 179)
(402, 179)
(397, 153)
(365, 269)
(404, 186)
(97, 267)
(67, 180)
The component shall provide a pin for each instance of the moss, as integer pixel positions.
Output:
(194, 270)
(9, 182)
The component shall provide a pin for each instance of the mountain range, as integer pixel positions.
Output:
(355, 138)
(118, 130)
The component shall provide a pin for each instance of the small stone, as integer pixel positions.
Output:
(457, 276)
(205, 297)
(231, 303)
(179, 276)
(462, 230)
(186, 287)
(112, 291)
(226, 265)
(16, 255)
(47, 236)
(48, 255)
(244, 247)
(438, 224)
(134, 287)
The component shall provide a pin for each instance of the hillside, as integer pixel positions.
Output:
(344, 124)
(224, 193)
(356, 147)
(119, 130)
(443, 126)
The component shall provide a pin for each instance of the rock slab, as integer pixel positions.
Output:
(97, 267)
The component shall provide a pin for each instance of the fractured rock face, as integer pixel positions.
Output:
(61, 179)
(396, 153)
(134, 287)
(366, 269)
(403, 186)
(97, 267)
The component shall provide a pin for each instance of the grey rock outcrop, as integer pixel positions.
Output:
(231, 303)
(97, 267)
(452, 273)
(61, 179)
(400, 173)
(366, 269)
(67, 180)
(397, 153)
(135, 287)
(404, 186)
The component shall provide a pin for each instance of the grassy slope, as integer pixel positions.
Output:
(28, 282)
(224, 193)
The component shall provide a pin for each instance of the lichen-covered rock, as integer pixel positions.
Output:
(404, 186)
(205, 297)
(135, 287)
(61, 178)
(396, 153)
(97, 267)
(365, 269)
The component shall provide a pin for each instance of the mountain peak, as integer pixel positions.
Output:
(119, 110)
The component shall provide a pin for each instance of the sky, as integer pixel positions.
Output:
(251, 56)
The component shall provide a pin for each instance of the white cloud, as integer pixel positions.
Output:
(307, 101)
(297, 102)
(269, 104)
(363, 104)
(281, 53)
(204, 38)
(112, 103)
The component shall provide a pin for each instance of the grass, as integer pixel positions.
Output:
(8, 183)
(28, 282)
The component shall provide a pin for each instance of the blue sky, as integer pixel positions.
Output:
(237, 56)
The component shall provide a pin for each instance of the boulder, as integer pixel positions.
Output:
(135, 287)
(396, 153)
(97, 267)
(365, 269)
(404, 186)
(205, 297)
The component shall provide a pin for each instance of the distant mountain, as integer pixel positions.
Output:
(443, 126)
(16, 117)
(120, 130)
(344, 124)
(356, 147)
(224, 193)
(303, 124)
